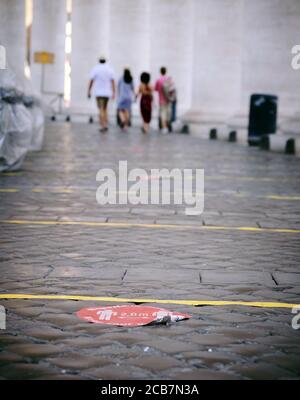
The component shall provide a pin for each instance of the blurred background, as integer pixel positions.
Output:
(219, 52)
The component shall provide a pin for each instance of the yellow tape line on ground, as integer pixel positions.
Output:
(52, 190)
(11, 173)
(287, 198)
(262, 304)
(59, 190)
(150, 226)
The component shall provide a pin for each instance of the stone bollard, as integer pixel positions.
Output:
(265, 142)
(185, 129)
(179, 127)
(232, 136)
(213, 134)
(279, 144)
(297, 145)
(290, 146)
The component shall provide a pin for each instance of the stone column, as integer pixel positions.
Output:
(270, 30)
(129, 36)
(13, 34)
(217, 56)
(171, 25)
(90, 40)
(48, 34)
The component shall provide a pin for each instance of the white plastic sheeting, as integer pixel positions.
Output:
(21, 123)
(38, 128)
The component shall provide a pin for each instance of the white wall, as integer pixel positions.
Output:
(48, 34)
(219, 51)
(140, 34)
(129, 36)
(172, 44)
(270, 29)
(90, 40)
(13, 34)
(217, 54)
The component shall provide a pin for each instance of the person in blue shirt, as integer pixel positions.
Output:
(125, 98)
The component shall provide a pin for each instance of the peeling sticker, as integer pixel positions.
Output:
(129, 315)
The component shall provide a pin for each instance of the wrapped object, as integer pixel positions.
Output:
(21, 123)
(16, 130)
(38, 128)
(38, 121)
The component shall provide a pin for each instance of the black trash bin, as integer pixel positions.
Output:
(262, 117)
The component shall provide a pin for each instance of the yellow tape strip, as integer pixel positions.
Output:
(58, 190)
(52, 190)
(11, 173)
(287, 198)
(262, 304)
(151, 226)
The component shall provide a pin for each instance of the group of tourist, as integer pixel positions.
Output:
(102, 83)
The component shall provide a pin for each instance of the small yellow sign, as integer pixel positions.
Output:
(43, 57)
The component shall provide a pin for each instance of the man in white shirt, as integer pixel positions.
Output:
(103, 83)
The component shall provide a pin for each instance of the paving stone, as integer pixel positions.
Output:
(287, 278)
(211, 358)
(8, 339)
(220, 277)
(83, 342)
(168, 346)
(217, 340)
(21, 371)
(263, 371)
(232, 317)
(280, 341)
(34, 350)
(112, 371)
(287, 361)
(59, 320)
(152, 211)
(203, 374)
(241, 334)
(165, 275)
(63, 376)
(78, 361)
(45, 340)
(155, 363)
(7, 357)
(46, 333)
(251, 349)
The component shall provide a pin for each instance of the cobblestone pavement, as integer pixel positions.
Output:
(244, 187)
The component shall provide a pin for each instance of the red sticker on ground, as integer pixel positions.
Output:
(129, 315)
